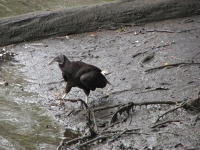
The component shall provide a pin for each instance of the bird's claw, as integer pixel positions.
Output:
(64, 95)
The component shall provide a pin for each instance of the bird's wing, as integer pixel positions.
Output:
(64, 76)
(83, 67)
(93, 79)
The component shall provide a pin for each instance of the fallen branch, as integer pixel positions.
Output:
(170, 65)
(118, 136)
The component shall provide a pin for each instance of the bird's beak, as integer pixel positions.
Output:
(49, 63)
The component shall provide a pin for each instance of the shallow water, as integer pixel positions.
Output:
(23, 123)
(17, 7)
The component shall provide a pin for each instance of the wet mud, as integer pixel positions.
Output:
(125, 54)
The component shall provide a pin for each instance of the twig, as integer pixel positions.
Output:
(106, 116)
(195, 56)
(147, 58)
(106, 107)
(115, 123)
(158, 30)
(137, 54)
(122, 109)
(118, 136)
(172, 65)
(137, 133)
(117, 131)
(182, 104)
(156, 89)
(93, 140)
(186, 30)
(168, 121)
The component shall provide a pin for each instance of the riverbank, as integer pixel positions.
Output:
(113, 15)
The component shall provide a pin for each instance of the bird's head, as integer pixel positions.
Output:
(60, 59)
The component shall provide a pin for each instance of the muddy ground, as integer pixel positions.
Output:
(120, 52)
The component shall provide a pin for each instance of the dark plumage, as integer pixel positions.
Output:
(79, 74)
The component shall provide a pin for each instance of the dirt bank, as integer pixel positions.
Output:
(83, 19)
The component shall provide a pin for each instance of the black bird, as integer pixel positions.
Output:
(80, 74)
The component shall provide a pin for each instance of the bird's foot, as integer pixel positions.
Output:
(59, 95)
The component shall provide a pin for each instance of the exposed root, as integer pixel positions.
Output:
(136, 104)
(122, 109)
(162, 123)
(170, 65)
(112, 135)
(158, 30)
(156, 89)
(115, 123)
(147, 59)
(117, 136)
(139, 53)
(77, 100)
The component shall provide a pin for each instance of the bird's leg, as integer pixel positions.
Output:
(87, 92)
(66, 91)
(86, 99)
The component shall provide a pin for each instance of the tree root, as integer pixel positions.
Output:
(112, 135)
(139, 53)
(122, 109)
(93, 140)
(157, 30)
(162, 123)
(112, 124)
(156, 89)
(170, 65)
